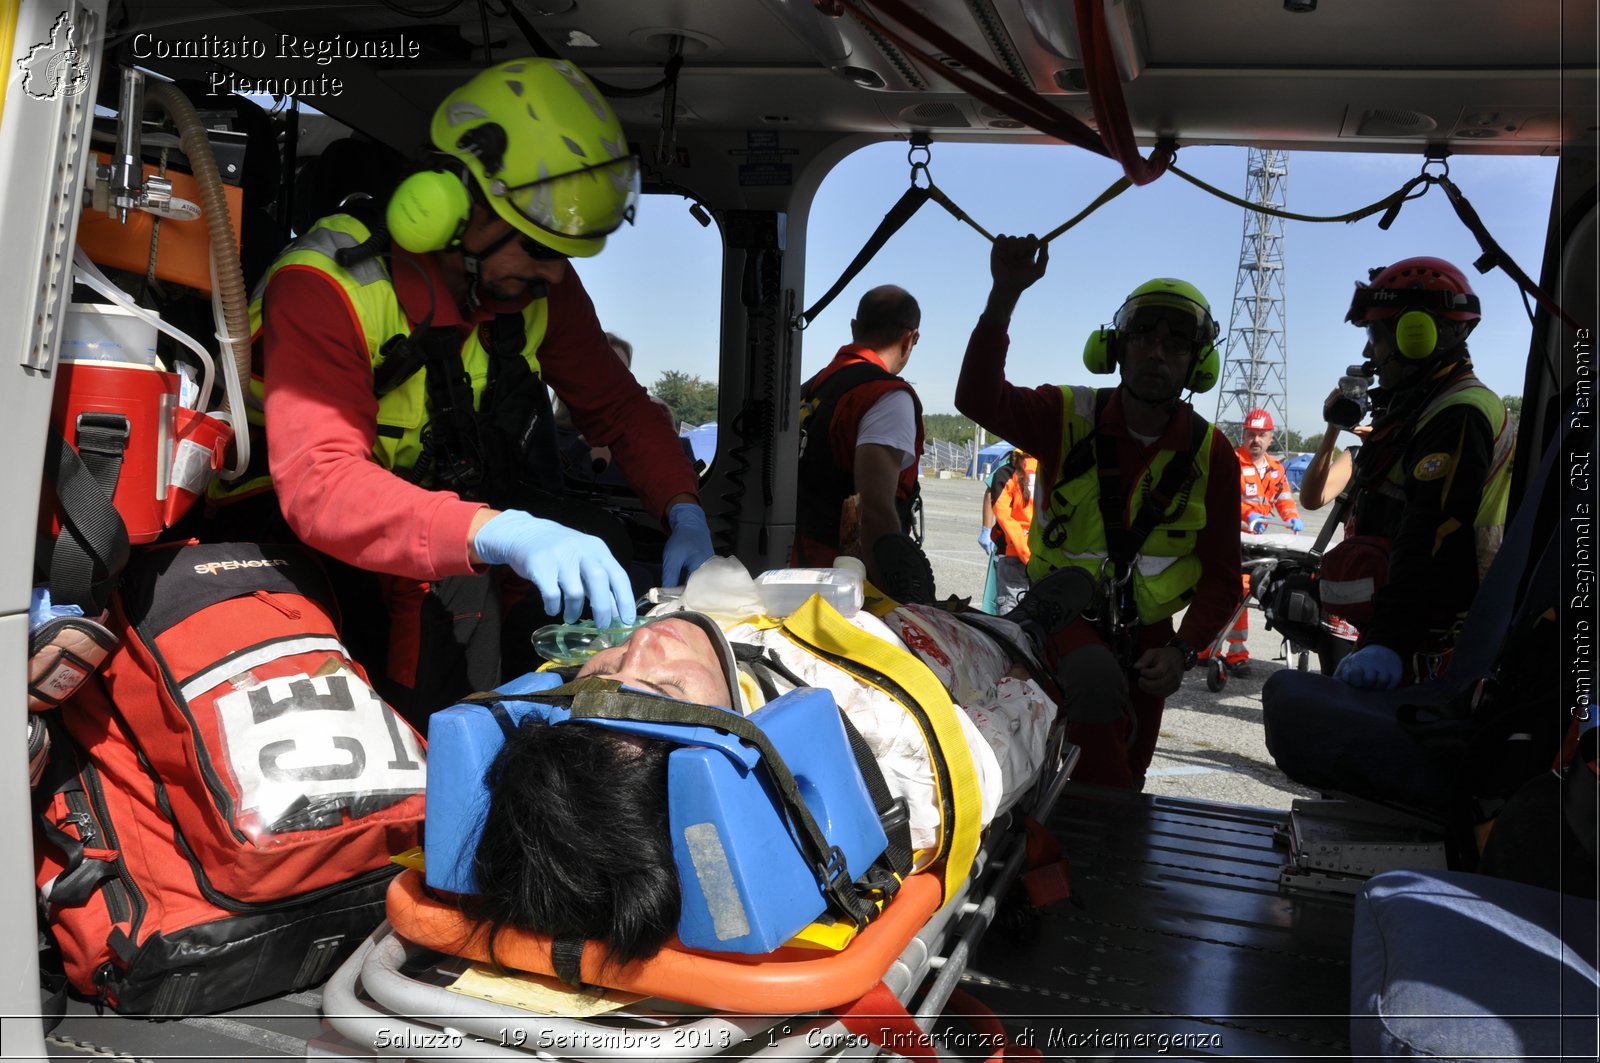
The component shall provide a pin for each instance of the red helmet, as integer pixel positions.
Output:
(1422, 283)
(1258, 421)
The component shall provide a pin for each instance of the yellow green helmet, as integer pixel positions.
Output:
(1176, 302)
(546, 149)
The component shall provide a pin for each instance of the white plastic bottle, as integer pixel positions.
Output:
(783, 590)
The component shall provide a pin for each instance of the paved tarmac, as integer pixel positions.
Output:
(1211, 745)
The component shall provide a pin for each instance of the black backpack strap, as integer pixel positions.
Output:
(92, 549)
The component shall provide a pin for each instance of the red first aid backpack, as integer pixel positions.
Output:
(219, 817)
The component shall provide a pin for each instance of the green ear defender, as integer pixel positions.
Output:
(1099, 351)
(1205, 370)
(1416, 334)
(429, 211)
(1100, 357)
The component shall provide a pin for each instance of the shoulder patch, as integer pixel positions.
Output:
(1433, 466)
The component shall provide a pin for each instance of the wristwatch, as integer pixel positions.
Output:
(1190, 654)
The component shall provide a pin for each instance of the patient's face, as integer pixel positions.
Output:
(673, 658)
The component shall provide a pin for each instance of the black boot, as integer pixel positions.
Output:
(1050, 605)
(907, 575)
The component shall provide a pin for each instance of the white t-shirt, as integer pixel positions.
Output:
(892, 422)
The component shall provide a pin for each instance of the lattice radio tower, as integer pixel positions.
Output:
(1256, 372)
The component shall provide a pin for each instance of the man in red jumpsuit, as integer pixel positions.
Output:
(425, 475)
(1117, 661)
(1264, 492)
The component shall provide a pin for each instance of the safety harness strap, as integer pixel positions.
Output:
(92, 549)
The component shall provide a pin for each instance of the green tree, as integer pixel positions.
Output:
(693, 401)
(1513, 406)
(950, 427)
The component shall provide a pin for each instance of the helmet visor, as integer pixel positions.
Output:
(586, 204)
(1184, 322)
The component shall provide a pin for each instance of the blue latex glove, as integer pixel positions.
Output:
(565, 565)
(1296, 525)
(689, 545)
(986, 540)
(1258, 525)
(1370, 668)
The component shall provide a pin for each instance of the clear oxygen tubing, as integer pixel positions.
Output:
(88, 274)
(228, 290)
(232, 384)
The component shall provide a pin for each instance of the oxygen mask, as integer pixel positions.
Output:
(570, 644)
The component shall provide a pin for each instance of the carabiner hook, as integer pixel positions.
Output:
(919, 165)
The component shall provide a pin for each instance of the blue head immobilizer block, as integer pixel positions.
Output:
(747, 887)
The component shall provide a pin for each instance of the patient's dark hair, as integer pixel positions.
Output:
(576, 840)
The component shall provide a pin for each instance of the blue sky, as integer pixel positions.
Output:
(657, 283)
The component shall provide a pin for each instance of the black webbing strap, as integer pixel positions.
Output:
(763, 664)
(92, 548)
(596, 698)
(566, 957)
(1494, 255)
(1172, 486)
(898, 215)
(536, 444)
(454, 443)
(892, 811)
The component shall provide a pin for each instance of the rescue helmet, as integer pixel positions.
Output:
(546, 150)
(1258, 421)
(1186, 314)
(1413, 297)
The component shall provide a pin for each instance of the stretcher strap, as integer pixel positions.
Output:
(983, 1020)
(1048, 877)
(877, 1016)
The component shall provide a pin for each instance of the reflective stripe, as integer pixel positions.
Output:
(1347, 591)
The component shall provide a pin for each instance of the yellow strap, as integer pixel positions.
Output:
(817, 626)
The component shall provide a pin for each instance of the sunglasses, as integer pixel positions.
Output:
(539, 252)
(1182, 324)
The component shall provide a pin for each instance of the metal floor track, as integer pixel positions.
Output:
(1177, 942)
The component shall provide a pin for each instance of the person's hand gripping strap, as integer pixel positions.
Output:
(1370, 668)
(689, 545)
(565, 565)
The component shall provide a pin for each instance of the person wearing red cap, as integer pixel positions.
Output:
(1263, 491)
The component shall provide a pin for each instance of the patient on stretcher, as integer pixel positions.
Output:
(576, 840)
